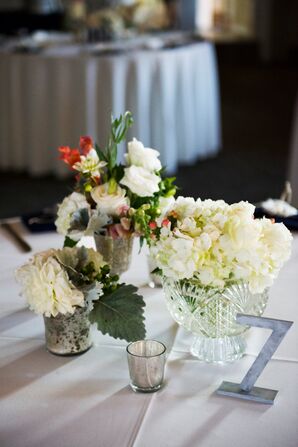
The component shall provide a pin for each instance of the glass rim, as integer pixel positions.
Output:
(146, 356)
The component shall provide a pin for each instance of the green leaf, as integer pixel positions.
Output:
(68, 242)
(100, 153)
(120, 314)
(113, 156)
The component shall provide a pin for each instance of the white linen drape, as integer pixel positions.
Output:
(51, 99)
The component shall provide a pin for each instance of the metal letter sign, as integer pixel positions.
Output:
(246, 389)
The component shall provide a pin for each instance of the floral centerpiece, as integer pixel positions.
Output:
(72, 288)
(217, 260)
(113, 201)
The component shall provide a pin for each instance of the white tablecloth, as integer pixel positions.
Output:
(85, 401)
(48, 100)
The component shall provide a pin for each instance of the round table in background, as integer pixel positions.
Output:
(51, 98)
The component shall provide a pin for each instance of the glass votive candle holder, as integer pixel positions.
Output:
(146, 363)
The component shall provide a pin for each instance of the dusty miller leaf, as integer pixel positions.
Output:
(120, 314)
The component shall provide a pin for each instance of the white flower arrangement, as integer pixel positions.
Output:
(113, 199)
(59, 281)
(216, 244)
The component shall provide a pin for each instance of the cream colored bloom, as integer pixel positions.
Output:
(140, 181)
(90, 164)
(109, 203)
(47, 288)
(138, 155)
(70, 204)
(216, 242)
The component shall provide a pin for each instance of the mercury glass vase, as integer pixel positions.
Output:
(210, 314)
(68, 334)
(116, 252)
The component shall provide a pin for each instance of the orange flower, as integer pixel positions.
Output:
(86, 144)
(69, 156)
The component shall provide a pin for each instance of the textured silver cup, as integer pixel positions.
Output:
(146, 362)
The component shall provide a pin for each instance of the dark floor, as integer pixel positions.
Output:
(257, 106)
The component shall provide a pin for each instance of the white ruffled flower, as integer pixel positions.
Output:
(90, 164)
(138, 155)
(175, 257)
(70, 204)
(140, 181)
(47, 288)
(109, 203)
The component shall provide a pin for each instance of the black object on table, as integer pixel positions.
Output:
(290, 222)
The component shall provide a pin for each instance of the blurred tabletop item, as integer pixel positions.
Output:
(50, 97)
(281, 209)
(85, 400)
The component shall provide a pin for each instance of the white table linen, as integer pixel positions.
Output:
(85, 400)
(52, 98)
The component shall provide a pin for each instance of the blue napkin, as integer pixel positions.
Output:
(39, 222)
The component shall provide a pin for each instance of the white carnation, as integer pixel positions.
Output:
(138, 155)
(47, 287)
(70, 204)
(140, 181)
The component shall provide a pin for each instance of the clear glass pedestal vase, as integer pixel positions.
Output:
(68, 334)
(116, 252)
(210, 314)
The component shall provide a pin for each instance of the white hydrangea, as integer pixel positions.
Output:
(217, 243)
(70, 204)
(46, 286)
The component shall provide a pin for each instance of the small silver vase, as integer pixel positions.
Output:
(68, 334)
(116, 252)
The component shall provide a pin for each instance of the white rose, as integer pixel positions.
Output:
(138, 155)
(47, 288)
(140, 181)
(70, 204)
(90, 164)
(107, 203)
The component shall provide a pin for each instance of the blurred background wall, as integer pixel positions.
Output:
(256, 48)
